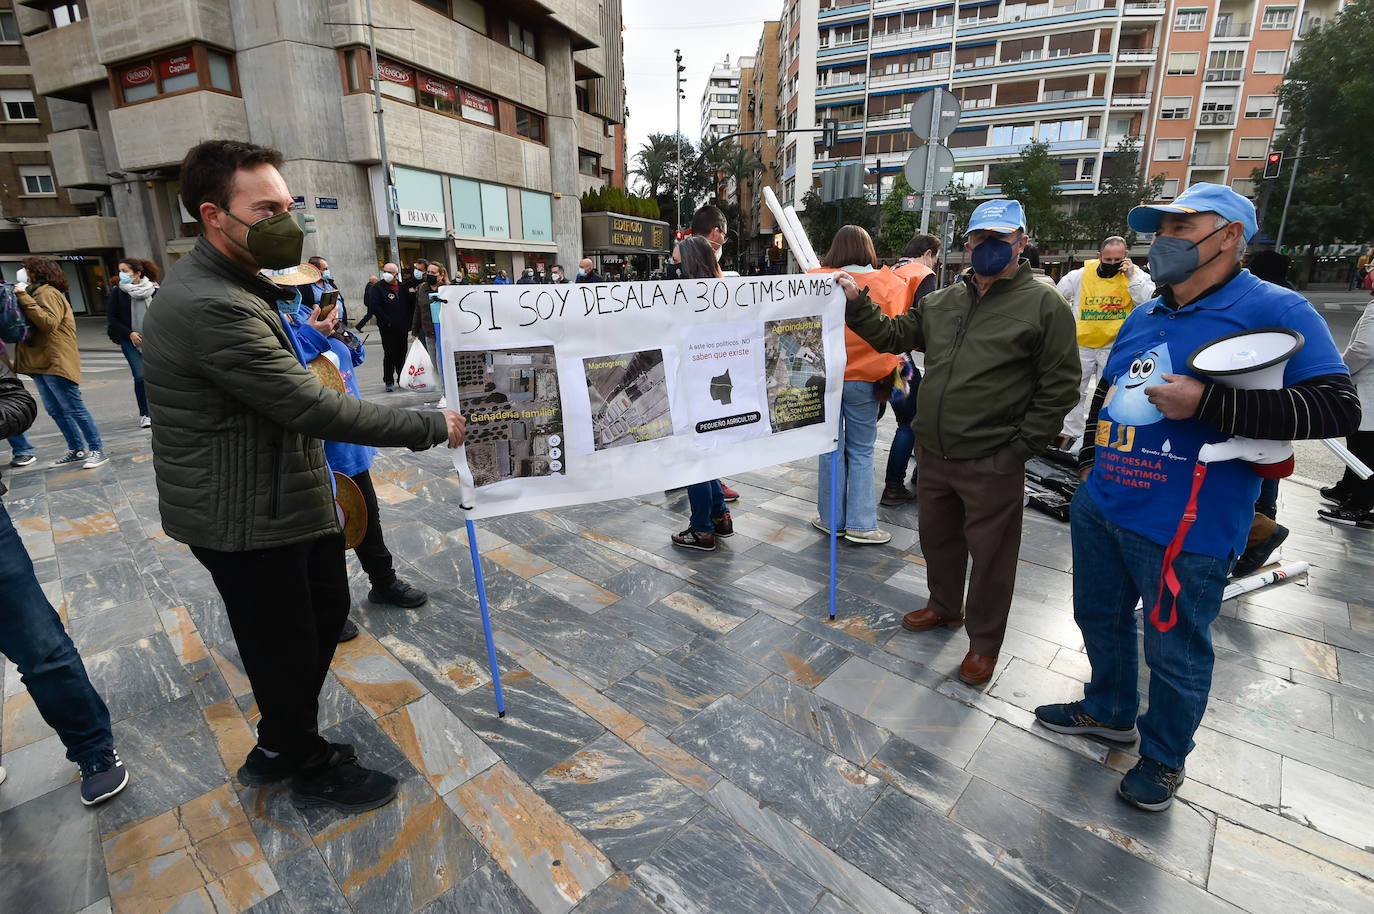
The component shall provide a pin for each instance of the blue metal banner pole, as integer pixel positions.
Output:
(486, 619)
(834, 512)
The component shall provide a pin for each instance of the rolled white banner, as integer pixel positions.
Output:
(1263, 579)
(1358, 466)
(812, 261)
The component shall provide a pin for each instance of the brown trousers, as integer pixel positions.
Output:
(971, 508)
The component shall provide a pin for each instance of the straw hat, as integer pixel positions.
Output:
(302, 274)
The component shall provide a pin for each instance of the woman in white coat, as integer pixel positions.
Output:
(1354, 497)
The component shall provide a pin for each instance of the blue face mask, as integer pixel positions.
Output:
(126, 279)
(991, 257)
(290, 305)
(324, 274)
(1173, 260)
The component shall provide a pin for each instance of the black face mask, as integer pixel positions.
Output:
(1108, 270)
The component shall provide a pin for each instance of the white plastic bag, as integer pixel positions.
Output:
(419, 370)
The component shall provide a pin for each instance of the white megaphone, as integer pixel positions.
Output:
(1249, 360)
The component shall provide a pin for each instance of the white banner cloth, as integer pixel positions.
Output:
(591, 392)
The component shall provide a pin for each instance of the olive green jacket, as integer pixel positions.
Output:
(1000, 370)
(238, 422)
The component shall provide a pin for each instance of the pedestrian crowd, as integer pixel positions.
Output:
(244, 363)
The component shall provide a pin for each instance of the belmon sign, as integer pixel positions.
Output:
(613, 233)
(422, 217)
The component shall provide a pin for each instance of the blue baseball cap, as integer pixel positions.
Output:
(998, 216)
(1200, 198)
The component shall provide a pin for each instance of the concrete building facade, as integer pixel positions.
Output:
(497, 117)
(720, 100)
(759, 111)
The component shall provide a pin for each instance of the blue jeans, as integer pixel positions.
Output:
(903, 439)
(31, 635)
(1268, 501)
(1113, 567)
(708, 503)
(62, 399)
(858, 504)
(20, 445)
(134, 356)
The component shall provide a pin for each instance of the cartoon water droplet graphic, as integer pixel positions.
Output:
(1130, 405)
(1166, 447)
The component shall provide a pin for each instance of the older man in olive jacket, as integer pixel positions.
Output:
(241, 472)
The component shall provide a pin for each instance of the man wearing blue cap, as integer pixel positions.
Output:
(1001, 373)
(1148, 420)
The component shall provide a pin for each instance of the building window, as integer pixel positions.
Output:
(1170, 189)
(1277, 17)
(67, 12)
(1054, 131)
(1170, 150)
(396, 81)
(1011, 135)
(1252, 147)
(19, 105)
(37, 181)
(1182, 63)
(529, 125)
(1243, 186)
(1224, 66)
(522, 40)
(471, 14)
(1176, 108)
(439, 6)
(437, 94)
(1269, 61)
(1260, 105)
(9, 28)
(479, 108)
(1190, 20)
(185, 69)
(589, 163)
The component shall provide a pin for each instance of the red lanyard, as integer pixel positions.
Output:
(1167, 577)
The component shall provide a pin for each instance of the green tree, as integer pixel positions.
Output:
(822, 220)
(1034, 181)
(898, 224)
(1123, 188)
(653, 163)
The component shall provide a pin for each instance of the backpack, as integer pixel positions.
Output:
(14, 326)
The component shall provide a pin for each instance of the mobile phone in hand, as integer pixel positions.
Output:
(328, 301)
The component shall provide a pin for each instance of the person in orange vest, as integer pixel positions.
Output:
(1101, 292)
(864, 393)
(918, 266)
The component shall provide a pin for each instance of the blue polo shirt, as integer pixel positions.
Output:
(1143, 468)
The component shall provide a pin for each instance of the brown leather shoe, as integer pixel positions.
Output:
(976, 669)
(896, 495)
(924, 620)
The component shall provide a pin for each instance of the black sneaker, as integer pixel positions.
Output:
(22, 460)
(1257, 556)
(102, 777)
(692, 539)
(1348, 517)
(348, 632)
(258, 770)
(1071, 718)
(69, 458)
(1150, 785)
(1334, 494)
(398, 593)
(338, 781)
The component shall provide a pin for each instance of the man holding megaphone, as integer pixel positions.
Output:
(1163, 511)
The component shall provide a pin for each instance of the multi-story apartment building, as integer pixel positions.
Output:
(497, 116)
(720, 99)
(758, 111)
(1215, 112)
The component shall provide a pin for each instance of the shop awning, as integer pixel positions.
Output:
(480, 243)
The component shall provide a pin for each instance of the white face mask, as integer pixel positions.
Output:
(22, 276)
(388, 277)
(418, 274)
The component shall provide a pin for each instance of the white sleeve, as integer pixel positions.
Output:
(1141, 287)
(1070, 286)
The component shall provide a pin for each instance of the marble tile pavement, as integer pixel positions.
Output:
(686, 732)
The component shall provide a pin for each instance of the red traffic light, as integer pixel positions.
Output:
(677, 236)
(1272, 164)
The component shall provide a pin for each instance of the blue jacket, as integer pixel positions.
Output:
(349, 459)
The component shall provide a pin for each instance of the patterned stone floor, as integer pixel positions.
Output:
(687, 732)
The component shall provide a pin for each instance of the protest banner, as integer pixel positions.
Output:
(596, 391)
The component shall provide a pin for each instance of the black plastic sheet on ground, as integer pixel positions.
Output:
(1051, 480)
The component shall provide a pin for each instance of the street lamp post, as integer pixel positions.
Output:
(677, 142)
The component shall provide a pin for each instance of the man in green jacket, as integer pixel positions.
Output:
(1001, 373)
(241, 472)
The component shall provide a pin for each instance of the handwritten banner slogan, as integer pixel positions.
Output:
(596, 391)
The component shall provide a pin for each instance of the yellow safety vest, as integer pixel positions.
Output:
(1102, 307)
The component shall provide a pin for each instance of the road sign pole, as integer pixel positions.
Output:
(1292, 179)
(932, 137)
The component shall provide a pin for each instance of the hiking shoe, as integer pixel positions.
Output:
(728, 493)
(95, 458)
(102, 777)
(692, 539)
(823, 526)
(1150, 785)
(1348, 517)
(69, 458)
(1334, 494)
(145, 422)
(1071, 718)
(22, 460)
(389, 388)
(1257, 556)
(896, 495)
(258, 770)
(724, 525)
(398, 593)
(339, 781)
(874, 536)
(348, 632)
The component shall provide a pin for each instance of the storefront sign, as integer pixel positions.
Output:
(298, 202)
(136, 76)
(395, 73)
(326, 203)
(422, 217)
(176, 65)
(479, 108)
(436, 88)
(607, 232)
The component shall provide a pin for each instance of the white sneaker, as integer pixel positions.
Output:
(2, 775)
(145, 422)
(823, 526)
(443, 403)
(867, 536)
(95, 459)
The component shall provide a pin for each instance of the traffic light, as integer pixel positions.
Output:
(678, 235)
(830, 133)
(681, 80)
(1272, 164)
(306, 222)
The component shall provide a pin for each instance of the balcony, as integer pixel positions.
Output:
(889, 119)
(842, 7)
(77, 159)
(908, 78)
(1145, 7)
(912, 37)
(839, 50)
(1216, 119)
(1137, 55)
(137, 28)
(838, 88)
(159, 133)
(1227, 75)
(1227, 30)
(70, 62)
(84, 233)
(1208, 160)
(1131, 100)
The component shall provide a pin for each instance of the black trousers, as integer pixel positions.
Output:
(372, 552)
(1361, 491)
(393, 353)
(286, 606)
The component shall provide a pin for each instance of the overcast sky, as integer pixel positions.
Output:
(705, 30)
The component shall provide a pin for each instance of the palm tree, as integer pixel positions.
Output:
(655, 163)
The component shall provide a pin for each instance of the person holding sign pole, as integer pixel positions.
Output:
(710, 518)
(1001, 373)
